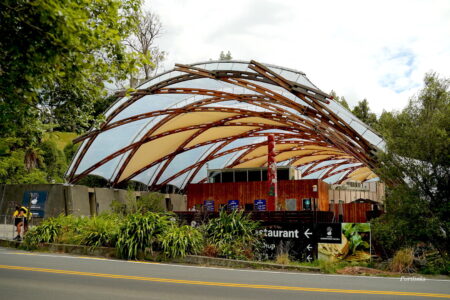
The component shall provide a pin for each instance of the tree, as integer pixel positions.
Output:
(142, 43)
(226, 56)
(56, 55)
(416, 165)
(341, 100)
(362, 112)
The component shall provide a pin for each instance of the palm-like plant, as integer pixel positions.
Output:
(233, 234)
(180, 241)
(138, 232)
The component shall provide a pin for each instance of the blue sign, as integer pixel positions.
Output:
(35, 201)
(209, 205)
(260, 204)
(233, 204)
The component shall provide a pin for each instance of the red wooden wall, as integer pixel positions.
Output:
(247, 192)
(353, 212)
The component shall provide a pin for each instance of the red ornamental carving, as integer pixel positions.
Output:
(272, 170)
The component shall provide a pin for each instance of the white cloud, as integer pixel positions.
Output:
(379, 50)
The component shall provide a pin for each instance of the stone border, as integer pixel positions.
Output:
(189, 259)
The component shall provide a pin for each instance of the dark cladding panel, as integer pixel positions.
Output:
(227, 177)
(254, 175)
(240, 176)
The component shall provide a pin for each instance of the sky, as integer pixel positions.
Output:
(378, 50)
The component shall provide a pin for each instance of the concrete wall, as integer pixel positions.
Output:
(104, 198)
(179, 202)
(12, 194)
(76, 199)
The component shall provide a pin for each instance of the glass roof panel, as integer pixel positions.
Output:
(109, 142)
(305, 81)
(204, 83)
(328, 162)
(242, 142)
(77, 154)
(179, 180)
(202, 173)
(315, 175)
(372, 138)
(145, 176)
(333, 179)
(346, 166)
(115, 106)
(107, 169)
(157, 168)
(182, 161)
(220, 162)
(238, 104)
(150, 103)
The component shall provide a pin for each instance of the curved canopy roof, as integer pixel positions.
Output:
(218, 114)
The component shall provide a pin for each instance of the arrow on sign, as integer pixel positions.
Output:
(308, 258)
(309, 247)
(307, 233)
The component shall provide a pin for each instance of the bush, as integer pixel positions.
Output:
(71, 229)
(118, 208)
(100, 231)
(210, 250)
(46, 232)
(403, 261)
(180, 241)
(139, 232)
(233, 234)
(150, 202)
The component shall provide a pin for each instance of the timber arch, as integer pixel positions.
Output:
(218, 114)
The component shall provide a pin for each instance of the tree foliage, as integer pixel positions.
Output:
(142, 43)
(416, 164)
(340, 99)
(362, 112)
(225, 56)
(56, 57)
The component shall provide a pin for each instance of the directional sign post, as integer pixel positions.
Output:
(308, 233)
(298, 240)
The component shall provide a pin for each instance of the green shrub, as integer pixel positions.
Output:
(100, 231)
(46, 232)
(150, 202)
(233, 234)
(139, 232)
(118, 207)
(437, 266)
(71, 229)
(180, 241)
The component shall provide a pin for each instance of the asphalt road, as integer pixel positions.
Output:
(25, 275)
